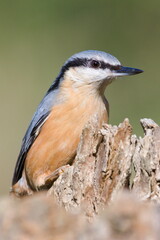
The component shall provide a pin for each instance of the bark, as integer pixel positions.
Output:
(114, 181)
(107, 161)
(39, 218)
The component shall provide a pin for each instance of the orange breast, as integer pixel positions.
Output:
(57, 142)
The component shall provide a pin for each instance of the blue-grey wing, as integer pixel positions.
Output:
(39, 118)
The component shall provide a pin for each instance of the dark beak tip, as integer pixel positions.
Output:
(137, 71)
(130, 71)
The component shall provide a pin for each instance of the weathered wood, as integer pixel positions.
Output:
(39, 218)
(111, 167)
(103, 166)
(146, 161)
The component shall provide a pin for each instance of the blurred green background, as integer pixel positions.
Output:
(37, 36)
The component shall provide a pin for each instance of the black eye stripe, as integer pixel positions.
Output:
(77, 62)
(115, 67)
(109, 66)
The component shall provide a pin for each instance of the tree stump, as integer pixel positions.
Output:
(114, 182)
(109, 160)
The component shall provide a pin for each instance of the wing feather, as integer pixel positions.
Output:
(39, 118)
(26, 144)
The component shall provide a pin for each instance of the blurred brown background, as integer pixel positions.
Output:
(38, 36)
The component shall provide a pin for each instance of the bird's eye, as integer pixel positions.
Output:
(95, 64)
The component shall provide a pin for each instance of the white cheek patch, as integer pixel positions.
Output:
(86, 75)
(91, 75)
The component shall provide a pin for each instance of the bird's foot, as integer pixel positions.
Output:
(54, 175)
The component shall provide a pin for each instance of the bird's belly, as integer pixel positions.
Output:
(57, 143)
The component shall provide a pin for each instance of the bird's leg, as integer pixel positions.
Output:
(54, 175)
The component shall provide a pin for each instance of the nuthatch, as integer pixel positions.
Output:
(74, 98)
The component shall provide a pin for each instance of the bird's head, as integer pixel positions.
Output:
(95, 68)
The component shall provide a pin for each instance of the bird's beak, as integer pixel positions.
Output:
(122, 71)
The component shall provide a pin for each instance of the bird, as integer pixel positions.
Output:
(72, 100)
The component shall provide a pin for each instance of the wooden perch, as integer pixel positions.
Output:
(39, 218)
(111, 167)
(146, 162)
(107, 161)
